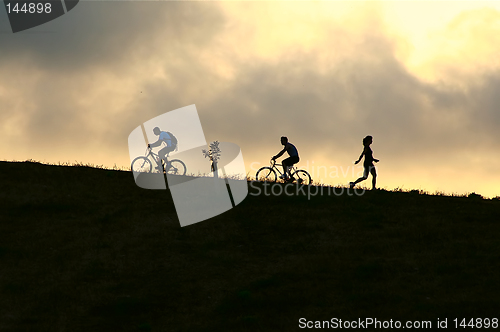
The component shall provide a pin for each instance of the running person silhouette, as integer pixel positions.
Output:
(170, 141)
(368, 163)
(290, 161)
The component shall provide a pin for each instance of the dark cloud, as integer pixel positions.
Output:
(485, 104)
(61, 72)
(334, 110)
(110, 34)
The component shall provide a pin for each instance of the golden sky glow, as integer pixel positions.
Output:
(422, 77)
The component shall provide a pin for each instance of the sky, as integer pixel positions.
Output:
(423, 78)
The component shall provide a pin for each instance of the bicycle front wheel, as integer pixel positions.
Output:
(176, 167)
(141, 165)
(302, 177)
(266, 174)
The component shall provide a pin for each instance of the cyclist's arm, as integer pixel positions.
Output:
(155, 144)
(280, 153)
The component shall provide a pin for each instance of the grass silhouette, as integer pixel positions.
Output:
(84, 249)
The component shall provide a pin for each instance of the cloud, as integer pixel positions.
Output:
(75, 80)
(111, 34)
(324, 81)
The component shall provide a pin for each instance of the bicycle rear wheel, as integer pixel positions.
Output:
(176, 167)
(141, 165)
(266, 174)
(302, 177)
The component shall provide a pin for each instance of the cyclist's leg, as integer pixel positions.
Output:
(286, 163)
(167, 150)
(292, 161)
(289, 162)
(161, 155)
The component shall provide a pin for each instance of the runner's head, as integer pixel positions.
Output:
(367, 140)
(156, 130)
(284, 140)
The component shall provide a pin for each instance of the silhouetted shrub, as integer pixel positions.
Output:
(473, 195)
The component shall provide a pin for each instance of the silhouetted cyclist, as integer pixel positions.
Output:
(368, 163)
(290, 161)
(164, 137)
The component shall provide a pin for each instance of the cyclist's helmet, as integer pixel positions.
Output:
(156, 130)
(284, 139)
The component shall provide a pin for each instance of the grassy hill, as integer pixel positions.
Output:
(84, 249)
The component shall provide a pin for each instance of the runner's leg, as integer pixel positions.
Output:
(366, 171)
(374, 177)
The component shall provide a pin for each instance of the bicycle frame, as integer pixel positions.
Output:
(155, 156)
(150, 159)
(165, 163)
(274, 166)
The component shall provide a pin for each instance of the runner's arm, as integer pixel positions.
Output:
(361, 156)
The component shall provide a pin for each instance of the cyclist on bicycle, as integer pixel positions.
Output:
(170, 141)
(290, 161)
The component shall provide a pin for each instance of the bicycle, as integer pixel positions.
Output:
(144, 164)
(268, 174)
